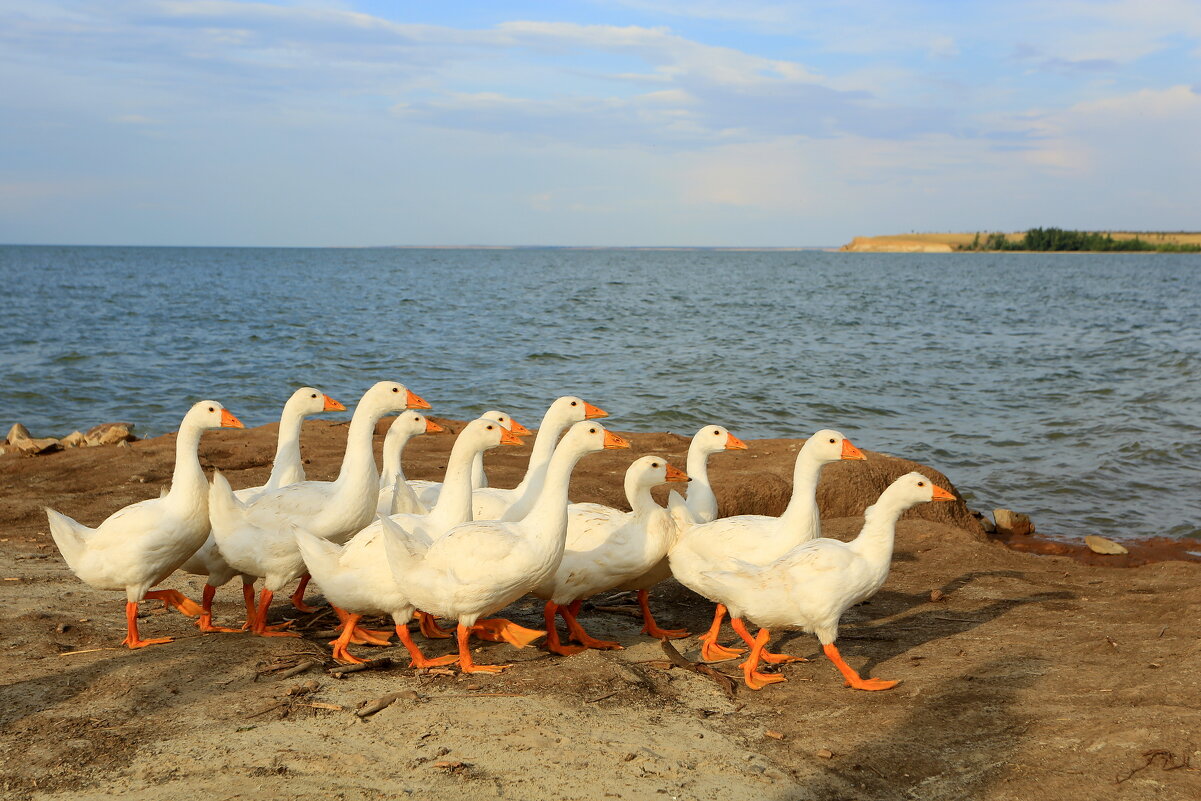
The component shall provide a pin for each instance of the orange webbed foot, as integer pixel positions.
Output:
(871, 685)
(712, 651)
(205, 624)
(438, 661)
(176, 599)
(757, 681)
(497, 629)
(429, 627)
(780, 659)
(659, 634)
(140, 643)
(474, 668)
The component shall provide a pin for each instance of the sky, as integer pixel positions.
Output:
(603, 123)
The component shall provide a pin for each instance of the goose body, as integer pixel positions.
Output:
(606, 548)
(480, 567)
(700, 507)
(287, 468)
(357, 577)
(493, 503)
(256, 538)
(754, 539)
(140, 545)
(426, 492)
(813, 583)
(395, 493)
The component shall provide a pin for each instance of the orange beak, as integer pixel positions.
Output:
(332, 405)
(591, 411)
(849, 451)
(229, 421)
(613, 441)
(675, 474)
(508, 437)
(414, 401)
(941, 494)
(518, 429)
(733, 443)
(433, 428)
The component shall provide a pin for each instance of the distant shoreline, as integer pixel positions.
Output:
(963, 242)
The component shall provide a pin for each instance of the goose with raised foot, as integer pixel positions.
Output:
(287, 468)
(605, 550)
(755, 539)
(812, 584)
(356, 578)
(395, 492)
(256, 538)
(478, 568)
(140, 545)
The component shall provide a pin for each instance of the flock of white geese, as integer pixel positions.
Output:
(379, 544)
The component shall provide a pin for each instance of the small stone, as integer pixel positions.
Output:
(20, 439)
(825, 753)
(1104, 546)
(75, 439)
(775, 735)
(62, 628)
(1013, 523)
(110, 434)
(937, 595)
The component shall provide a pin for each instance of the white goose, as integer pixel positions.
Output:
(140, 545)
(426, 492)
(811, 585)
(287, 468)
(395, 493)
(756, 539)
(256, 538)
(605, 550)
(492, 503)
(701, 507)
(480, 567)
(357, 579)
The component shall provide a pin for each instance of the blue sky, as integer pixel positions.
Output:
(614, 122)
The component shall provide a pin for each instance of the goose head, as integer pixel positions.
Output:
(412, 424)
(210, 414)
(914, 488)
(308, 401)
(516, 428)
(486, 433)
(828, 445)
(712, 439)
(587, 437)
(390, 396)
(570, 409)
(651, 471)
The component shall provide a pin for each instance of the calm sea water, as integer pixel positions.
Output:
(1067, 386)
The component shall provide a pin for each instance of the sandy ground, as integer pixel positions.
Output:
(948, 242)
(1032, 676)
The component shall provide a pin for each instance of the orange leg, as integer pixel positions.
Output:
(582, 637)
(298, 596)
(552, 633)
(259, 625)
(711, 650)
(361, 636)
(754, 679)
(430, 628)
(739, 626)
(498, 629)
(340, 654)
(173, 598)
(853, 679)
(649, 626)
(131, 625)
(205, 623)
(420, 660)
(466, 665)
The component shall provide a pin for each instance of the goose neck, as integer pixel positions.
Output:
(454, 501)
(549, 512)
(801, 513)
(188, 483)
(876, 538)
(287, 445)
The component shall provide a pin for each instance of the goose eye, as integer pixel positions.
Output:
(921, 483)
(592, 431)
(716, 433)
(313, 395)
(396, 389)
(573, 403)
(489, 428)
(211, 409)
(654, 464)
(831, 442)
